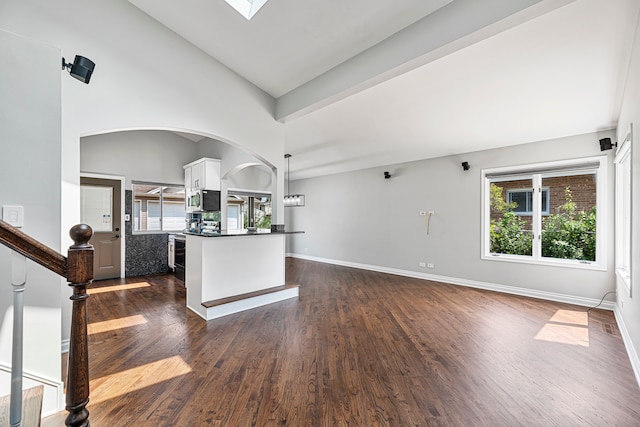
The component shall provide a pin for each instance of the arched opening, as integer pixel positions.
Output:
(152, 160)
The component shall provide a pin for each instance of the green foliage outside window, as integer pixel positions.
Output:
(508, 233)
(569, 234)
(566, 234)
(262, 220)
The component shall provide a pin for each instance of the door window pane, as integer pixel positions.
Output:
(97, 207)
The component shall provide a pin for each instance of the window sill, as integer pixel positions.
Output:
(547, 262)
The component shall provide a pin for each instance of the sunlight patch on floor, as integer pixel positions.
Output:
(113, 324)
(115, 288)
(121, 383)
(572, 317)
(566, 327)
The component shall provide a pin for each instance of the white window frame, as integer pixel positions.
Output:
(536, 172)
(623, 232)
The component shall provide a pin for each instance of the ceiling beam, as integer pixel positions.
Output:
(455, 26)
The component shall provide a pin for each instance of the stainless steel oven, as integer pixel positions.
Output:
(180, 256)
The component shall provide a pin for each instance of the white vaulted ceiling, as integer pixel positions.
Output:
(364, 83)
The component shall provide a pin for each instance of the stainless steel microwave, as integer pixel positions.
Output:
(204, 201)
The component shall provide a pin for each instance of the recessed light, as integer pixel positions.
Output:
(247, 8)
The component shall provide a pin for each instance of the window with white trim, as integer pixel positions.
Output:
(623, 214)
(158, 207)
(547, 213)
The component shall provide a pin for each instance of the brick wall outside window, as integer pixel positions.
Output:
(583, 188)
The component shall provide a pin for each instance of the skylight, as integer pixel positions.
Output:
(247, 8)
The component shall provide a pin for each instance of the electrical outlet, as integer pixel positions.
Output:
(422, 264)
(430, 265)
(423, 213)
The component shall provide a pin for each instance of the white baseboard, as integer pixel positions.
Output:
(65, 346)
(551, 296)
(626, 338)
(53, 398)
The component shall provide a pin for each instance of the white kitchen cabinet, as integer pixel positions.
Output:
(203, 174)
(188, 181)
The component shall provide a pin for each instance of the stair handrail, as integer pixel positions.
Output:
(26, 245)
(77, 268)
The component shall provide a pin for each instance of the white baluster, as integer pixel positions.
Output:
(18, 280)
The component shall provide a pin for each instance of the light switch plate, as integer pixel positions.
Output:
(14, 215)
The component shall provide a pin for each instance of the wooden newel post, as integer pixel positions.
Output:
(79, 276)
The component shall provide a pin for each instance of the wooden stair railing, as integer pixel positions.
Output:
(77, 268)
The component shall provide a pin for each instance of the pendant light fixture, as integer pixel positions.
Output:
(292, 200)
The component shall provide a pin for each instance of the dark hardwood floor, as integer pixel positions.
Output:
(357, 348)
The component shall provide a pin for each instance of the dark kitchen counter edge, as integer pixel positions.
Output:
(241, 233)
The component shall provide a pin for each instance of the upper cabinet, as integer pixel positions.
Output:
(203, 174)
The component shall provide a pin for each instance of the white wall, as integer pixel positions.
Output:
(30, 171)
(254, 178)
(232, 158)
(152, 156)
(628, 309)
(362, 218)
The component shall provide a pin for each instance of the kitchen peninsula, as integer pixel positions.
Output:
(228, 272)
